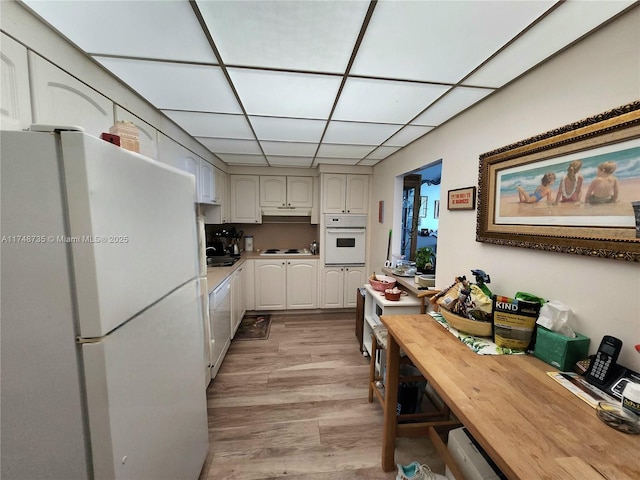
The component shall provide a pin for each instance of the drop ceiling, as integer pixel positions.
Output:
(299, 83)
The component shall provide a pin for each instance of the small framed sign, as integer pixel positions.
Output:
(462, 199)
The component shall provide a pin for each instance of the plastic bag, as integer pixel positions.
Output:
(556, 316)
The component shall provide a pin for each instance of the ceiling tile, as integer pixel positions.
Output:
(452, 103)
(367, 162)
(289, 148)
(359, 133)
(439, 41)
(176, 86)
(239, 159)
(292, 129)
(407, 135)
(384, 101)
(335, 161)
(311, 36)
(382, 151)
(284, 161)
(550, 35)
(227, 145)
(201, 124)
(281, 94)
(161, 30)
(344, 151)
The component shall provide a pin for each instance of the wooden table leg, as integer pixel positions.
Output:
(390, 405)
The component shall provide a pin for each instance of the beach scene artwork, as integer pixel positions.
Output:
(522, 197)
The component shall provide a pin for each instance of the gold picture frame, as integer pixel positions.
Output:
(514, 211)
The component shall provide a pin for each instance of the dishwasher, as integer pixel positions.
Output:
(219, 324)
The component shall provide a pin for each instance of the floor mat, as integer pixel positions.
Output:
(254, 327)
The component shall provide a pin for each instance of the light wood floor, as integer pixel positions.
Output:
(295, 406)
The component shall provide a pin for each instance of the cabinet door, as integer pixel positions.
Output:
(248, 270)
(353, 279)
(210, 339)
(190, 164)
(60, 99)
(205, 173)
(222, 190)
(220, 180)
(357, 193)
(302, 284)
(237, 300)
(15, 113)
(244, 281)
(299, 191)
(332, 287)
(333, 193)
(245, 200)
(270, 284)
(273, 191)
(147, 135)
(204, 297)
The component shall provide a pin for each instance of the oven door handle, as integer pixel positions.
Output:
(335, 230)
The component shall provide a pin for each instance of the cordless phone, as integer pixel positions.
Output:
(604, 362)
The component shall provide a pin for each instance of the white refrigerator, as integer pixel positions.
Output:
(101, 322)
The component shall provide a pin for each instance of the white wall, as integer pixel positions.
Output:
(597, 74)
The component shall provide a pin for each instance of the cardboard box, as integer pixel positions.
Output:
(129, 135)
(560, 351)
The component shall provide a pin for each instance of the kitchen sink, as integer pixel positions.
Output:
(222, 261)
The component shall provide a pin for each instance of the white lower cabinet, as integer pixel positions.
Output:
(238, 304)
(204, 300)
(339, 286)
(286, 284)
(219, 325)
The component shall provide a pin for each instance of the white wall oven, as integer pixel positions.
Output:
(345, 239)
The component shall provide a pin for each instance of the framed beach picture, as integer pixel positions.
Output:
(571, 190)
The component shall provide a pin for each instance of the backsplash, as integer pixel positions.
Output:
(274, 235)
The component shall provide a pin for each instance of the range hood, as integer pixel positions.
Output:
(286, 211)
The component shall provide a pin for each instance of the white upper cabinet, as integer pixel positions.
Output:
(15, 109)
(345, 193)
(60, 99)
(300, 191)
(147, 135)
(282, 191)
(245, 199)
(206, 182)
(273, 191)
(357, 194)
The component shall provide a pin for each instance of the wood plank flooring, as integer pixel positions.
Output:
(295, 406)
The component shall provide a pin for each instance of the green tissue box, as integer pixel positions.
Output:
(560, 351)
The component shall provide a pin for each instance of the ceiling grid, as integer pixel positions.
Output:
(301, 83)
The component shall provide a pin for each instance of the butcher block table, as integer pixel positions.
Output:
(531, 426)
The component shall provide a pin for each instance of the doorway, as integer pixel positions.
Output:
(420, 210)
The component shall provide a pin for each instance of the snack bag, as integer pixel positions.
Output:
(448, 297)
(514, 322)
